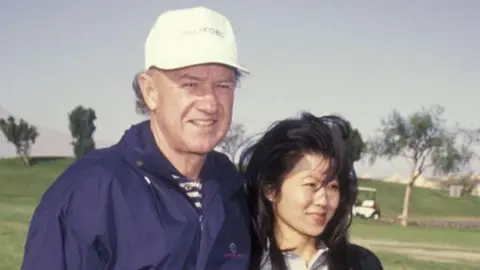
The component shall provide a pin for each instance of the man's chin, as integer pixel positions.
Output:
(201, 149)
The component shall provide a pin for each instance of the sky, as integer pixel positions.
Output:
(359, 59)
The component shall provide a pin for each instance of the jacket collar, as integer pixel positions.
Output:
(139, 149)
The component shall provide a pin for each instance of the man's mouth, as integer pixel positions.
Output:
(203, 123)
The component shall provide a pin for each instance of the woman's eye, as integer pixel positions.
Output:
(311, 185)
(333, 187)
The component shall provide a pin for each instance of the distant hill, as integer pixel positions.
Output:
(49, 143)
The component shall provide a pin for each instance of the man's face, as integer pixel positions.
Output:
(193, 105)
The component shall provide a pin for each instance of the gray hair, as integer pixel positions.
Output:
(140, 105)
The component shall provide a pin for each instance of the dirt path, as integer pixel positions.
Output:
(441, 253)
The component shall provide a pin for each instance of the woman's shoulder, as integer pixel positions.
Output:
(366, 258)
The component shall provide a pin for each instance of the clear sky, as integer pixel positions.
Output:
(357, 58)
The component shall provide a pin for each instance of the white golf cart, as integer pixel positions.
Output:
(366, 205)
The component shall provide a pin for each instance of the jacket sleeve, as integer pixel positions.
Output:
(64, 223)
(44, 246)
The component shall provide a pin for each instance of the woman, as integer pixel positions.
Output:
(301, 192)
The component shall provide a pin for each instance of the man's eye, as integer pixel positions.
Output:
(225, 86)
(189, 85)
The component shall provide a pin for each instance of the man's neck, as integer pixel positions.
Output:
(188, 164)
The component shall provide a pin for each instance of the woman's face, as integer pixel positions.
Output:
(305, 204)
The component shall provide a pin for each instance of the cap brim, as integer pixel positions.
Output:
(203, 62)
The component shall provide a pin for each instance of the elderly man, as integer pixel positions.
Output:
(161, 198)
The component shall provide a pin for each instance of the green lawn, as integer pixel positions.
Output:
(21, 188)
(394, 237)
(466, 238)
(425, 202)
(392, 261)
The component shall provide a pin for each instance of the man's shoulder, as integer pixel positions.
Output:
(222, 161)
(82, 194)
(224, 168)
(221, 157)
(97, 163)
(92, 172)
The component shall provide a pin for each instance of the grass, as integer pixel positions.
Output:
(22, 187)
(392, 261)
(391, 238)
(425, 203)
(466, 238)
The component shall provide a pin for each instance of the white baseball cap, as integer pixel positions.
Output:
(192, 36)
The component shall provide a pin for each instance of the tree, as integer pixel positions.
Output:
(456, 153)
(425, 141)
(233, 141)
(22, 135)
(466, 181)
(355, 145)
(82, 128)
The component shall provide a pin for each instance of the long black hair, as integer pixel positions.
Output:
(265, 164)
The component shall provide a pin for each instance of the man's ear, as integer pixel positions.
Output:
(148, 89)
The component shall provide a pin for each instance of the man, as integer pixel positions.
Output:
(161, 198)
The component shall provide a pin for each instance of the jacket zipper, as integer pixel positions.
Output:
(153, 188)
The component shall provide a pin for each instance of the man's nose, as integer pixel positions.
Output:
(209, 101)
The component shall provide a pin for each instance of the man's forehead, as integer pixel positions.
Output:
(203, 71)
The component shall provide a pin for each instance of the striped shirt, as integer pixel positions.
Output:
(192, 189)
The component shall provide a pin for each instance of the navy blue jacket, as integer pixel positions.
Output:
(120, 208)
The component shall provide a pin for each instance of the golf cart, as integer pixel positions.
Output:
(366, 205)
